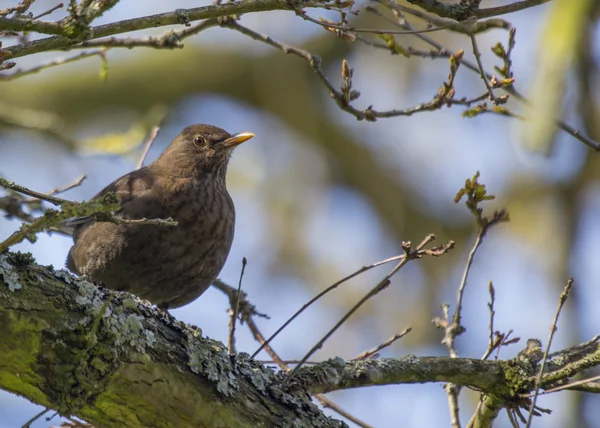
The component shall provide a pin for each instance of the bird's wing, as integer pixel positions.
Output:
(137, 194)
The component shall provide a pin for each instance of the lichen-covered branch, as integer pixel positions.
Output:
(104, 357)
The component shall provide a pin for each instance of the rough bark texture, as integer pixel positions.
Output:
(104, 357)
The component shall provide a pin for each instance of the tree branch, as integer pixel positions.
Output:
(179, 16)
(134, 366)
(106, 358)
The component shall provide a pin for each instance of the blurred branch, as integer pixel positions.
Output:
(153, 134)
(70, 35)
(169, 40)
(444, 97)
(401, 22)
(35, 120)
(54, 63)
(372, 353)
(470, 8)
(470, 27)
(509, 8)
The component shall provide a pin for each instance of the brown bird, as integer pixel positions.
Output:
(169, 266)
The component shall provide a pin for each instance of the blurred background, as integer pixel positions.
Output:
(319, 194)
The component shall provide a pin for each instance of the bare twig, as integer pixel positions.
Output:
(20, 189)
(326, 402)
(561, 301)
(469, 27)
(511, 418)
(35, 418)
(511, 90)
(491, 342)
(410, 254)
(140, 221)
(169, 40)
(469, 9)
(233, 312)
(48, 12)
(330, 26)
(475, 193)
(146, 149)
(480, 66)
(247, 317)
(58, 190)
(369, 114)
(509, 8)
(59, 61)
(372, 352)
(321, 294)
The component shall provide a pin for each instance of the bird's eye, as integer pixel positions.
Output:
(199, 140)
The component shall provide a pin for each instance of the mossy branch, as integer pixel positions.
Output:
(136, 367)
(52, 218)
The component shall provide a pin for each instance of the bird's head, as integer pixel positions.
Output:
(200, 149)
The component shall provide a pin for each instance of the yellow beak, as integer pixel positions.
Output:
(236, 139)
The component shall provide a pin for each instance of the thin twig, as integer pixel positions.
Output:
(570, 385)
(146, 149)
(20, 189)
(58, 190)
(48, 12)
(59, 61)
(328, 25)
(143, 221)
(369, 114)
(35, 418)
(246, 313)
(234, 311)
(321, 294)
(480, 67)
(491, 342)
(469, 27)
(410, 254)
(283, 366)
(169, 40)
(511, 90)
(368, 354)
(561, 301)
(463, 282)
(511, 418)
(509, 8)
(326, 402)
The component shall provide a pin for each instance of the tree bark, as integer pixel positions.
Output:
(102, 356)
(107, 358)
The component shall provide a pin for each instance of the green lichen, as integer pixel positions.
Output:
(214, 364)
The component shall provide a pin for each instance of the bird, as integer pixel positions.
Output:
(167, 266)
